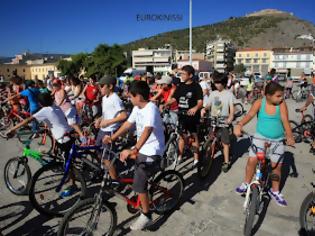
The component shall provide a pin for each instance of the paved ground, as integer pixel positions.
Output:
(208, 208)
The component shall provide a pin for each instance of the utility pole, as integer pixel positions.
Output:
(190, 32)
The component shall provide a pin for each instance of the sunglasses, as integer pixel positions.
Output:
(56, 85)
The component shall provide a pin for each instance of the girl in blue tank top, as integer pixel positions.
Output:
(273, 124)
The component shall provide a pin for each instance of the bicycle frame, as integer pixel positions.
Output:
(265, 161)
(73, 154)
(106, 184)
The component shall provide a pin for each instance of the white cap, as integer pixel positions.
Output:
(165, 79)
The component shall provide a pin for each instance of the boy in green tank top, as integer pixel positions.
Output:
(272, 124)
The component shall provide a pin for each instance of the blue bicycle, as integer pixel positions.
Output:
(58, 186)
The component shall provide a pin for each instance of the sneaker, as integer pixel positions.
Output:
(69, 191)
(142, 222)
(241, 189)
(195, 163)
(278, 197)
(225, 167)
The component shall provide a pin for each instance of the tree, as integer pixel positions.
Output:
(73, 67)
(239, 68)
(106, 60)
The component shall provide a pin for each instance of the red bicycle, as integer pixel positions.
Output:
(165, 192)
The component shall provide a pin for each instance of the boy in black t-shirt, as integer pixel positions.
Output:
(189, 97)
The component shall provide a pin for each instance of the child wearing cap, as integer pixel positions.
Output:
(113, 113)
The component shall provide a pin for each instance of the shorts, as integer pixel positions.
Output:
(278, 149)
(189, 123)
(224, 135)
(65, 147)
(99, 142)
(145, 167)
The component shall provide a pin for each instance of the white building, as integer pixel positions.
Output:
(221, 54)
(199, 65)
(299, 60)
(159, 60)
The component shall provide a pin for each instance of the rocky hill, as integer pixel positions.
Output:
(268, 28)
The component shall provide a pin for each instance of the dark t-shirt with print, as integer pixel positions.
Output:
(187, 96)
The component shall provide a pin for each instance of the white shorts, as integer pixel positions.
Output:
(276, 148)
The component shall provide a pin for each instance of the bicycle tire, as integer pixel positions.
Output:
(171, 153)
(5, 123)
(206, 160)
(44, 143)
(251, 211)
(159, 201)
(52, 208)
(238, 110)
(24, 170)
(89, 203)
(308, 201)
(308, 118)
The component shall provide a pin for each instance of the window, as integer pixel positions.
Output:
(23, 70)
(247, 55)
(255, 61)
(265, 54)
(298, 57)
(240, 55)
(308, 57)
(8, 70)
(256, 55)
(298, 64)
(264, 60)
(248, 61)
(240, 61)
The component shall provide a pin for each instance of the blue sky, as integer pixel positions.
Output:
(71, 26)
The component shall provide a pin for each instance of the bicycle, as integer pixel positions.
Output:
(9, 117)
(238, 110)
(211, 145)
(300, 94)
(307, 212)
(51, 180)
(173, 132)
(94, 209)
(258, 189)
(17, 173)
(302, 130)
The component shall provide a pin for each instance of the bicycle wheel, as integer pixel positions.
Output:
(83, 219)
(205, 162)
(43, 142)
(251, 210)
(297, 95)
(5, 124)
(166, 191)
(238, 110)
(307, 214)
(171, 153)
(308, 118)
(17, 176)
(43, 194)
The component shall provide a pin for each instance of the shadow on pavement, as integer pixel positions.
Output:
(14, 213)
(288, 165)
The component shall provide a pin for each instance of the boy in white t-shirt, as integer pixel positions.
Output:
(149, 147)
(113, 113)
(56, 121)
